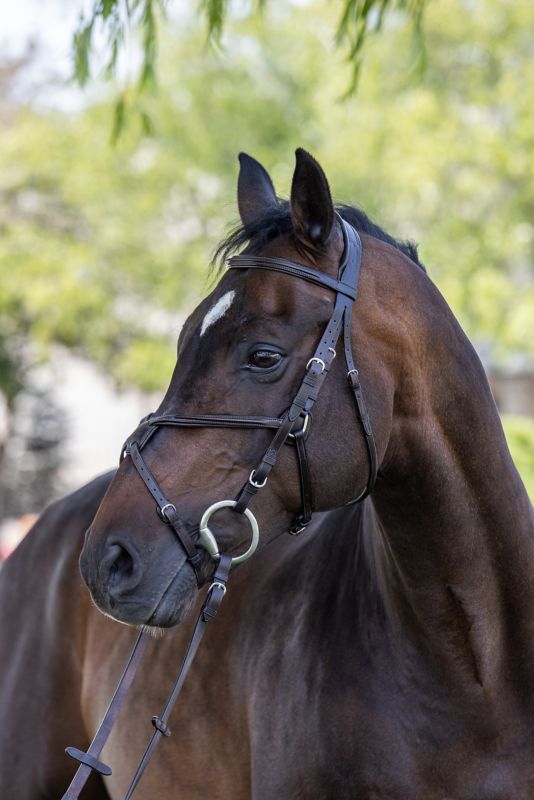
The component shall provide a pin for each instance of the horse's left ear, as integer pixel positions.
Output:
(312, 210)
(255, 190)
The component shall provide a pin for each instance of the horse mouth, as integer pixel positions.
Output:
(154, 602)
(173, 607)
(175, 603)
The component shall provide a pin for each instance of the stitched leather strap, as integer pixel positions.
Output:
(354, 381)
(306, 491)
(165, 508)
(292, 268)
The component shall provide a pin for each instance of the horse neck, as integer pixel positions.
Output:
(455, 519)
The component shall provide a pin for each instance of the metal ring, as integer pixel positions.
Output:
(255, 483)
(304, 428)
(167, 505)
(318, 361)
(351, 371)
(208, 540)
(333, 352)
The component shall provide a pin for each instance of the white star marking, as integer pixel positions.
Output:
(217, 311)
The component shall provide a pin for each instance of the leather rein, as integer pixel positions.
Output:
(292, 427)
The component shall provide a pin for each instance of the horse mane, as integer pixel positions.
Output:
(277, 221)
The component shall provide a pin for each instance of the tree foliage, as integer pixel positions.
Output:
(118, 20)
(520, 436)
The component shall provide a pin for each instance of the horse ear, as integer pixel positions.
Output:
(312, 210)
(255, 190)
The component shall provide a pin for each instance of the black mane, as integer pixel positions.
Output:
(277, 221)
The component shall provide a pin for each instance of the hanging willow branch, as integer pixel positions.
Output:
(359, 19)
(117, 18)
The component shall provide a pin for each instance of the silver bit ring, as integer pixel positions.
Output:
(208, 540)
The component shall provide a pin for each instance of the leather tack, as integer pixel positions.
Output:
(318, 367)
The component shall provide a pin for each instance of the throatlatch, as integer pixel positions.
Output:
(292, 427)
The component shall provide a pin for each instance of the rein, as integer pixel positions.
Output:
(291, 428)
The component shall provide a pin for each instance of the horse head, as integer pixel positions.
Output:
(244, 352)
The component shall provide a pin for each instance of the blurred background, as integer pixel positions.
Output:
(105, 240)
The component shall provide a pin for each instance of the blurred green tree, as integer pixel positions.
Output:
(520, 435)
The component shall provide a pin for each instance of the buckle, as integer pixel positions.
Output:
(255, 483)
(317, 361)
(161, 511)
(298, 527)
(218, 584)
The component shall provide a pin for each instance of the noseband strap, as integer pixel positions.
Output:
(293, 426)
(166, 509)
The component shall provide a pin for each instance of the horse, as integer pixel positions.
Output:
(385, 652)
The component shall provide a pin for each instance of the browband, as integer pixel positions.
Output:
(291, 268)
(352, 249)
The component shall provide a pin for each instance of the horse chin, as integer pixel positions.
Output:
(172, 607)
(175, 603)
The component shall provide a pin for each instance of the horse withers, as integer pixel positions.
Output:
(388, 651)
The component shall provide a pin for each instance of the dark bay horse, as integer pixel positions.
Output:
(387, 652)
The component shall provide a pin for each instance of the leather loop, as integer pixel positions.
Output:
(161, 726)
(88, 760)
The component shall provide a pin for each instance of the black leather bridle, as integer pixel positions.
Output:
(291, 427)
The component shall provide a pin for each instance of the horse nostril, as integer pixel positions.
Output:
(120, 569)
(122, 564)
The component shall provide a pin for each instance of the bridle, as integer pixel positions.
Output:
(292, 427)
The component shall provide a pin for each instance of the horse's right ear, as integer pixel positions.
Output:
(312, 210)
(255, 190)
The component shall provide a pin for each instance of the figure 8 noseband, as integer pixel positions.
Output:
(294, 425)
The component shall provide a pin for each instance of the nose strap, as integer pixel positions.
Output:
(166, 509)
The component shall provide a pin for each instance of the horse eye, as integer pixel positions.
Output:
(264, 359)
